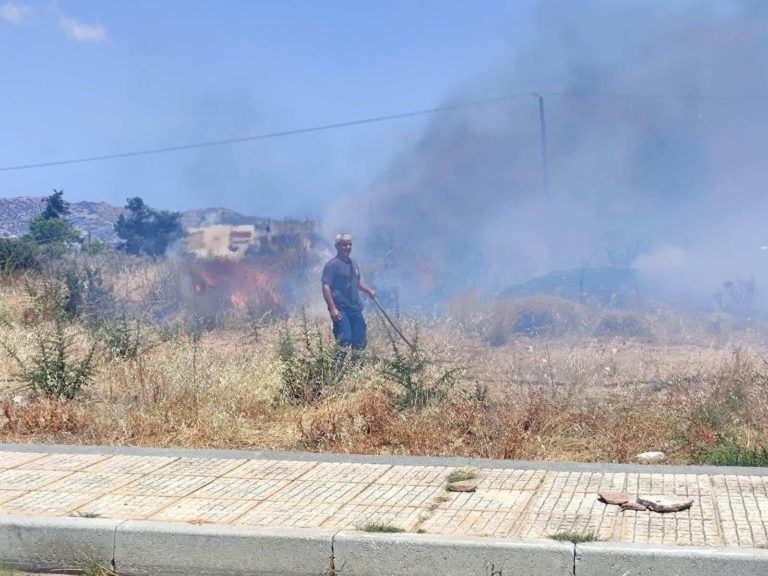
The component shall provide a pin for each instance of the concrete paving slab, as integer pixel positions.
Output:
(202, 466)
(240, 488)
(361, 516)
(271, 469)
(9, 459)
(20, 479)
(204, 511)
(90, 482)
(288, 514)
(158, 484)
(129, 464)
(415, 475)
(70, 462)
(125, 507)
(459, 522)
(345, 472)
(46, 503)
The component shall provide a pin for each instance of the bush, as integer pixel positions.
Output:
(727, 452)
(121, 336)
(79, 294)
(621, 323)
(421, 380)
(535, 316)
(309, 364)
(55, 370)
(18, 254)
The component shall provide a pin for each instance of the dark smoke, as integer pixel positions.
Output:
(657, 122)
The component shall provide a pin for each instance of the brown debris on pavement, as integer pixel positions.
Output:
(664, 503)
(661, 504)
(637, 507)
(462, 486)
(609, 497)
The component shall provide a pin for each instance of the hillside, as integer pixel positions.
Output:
(98, 218)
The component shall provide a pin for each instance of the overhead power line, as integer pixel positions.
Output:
(265, 136)
(378, 119)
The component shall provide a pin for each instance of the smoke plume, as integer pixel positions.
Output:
(655, 138)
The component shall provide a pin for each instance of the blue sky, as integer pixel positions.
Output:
(83, 78)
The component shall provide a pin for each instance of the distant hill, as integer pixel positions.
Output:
(606, 286)
(98, 218)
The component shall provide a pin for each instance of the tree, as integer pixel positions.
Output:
(49, 229)
(55, 206)
(145, 230)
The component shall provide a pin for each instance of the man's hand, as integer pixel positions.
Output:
(335, 314)
(371, 293)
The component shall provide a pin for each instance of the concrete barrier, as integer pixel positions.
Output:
(145, 548)
(360, 554)
(54, 543)
(610, 559)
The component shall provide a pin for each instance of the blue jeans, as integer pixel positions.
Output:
(350, 331)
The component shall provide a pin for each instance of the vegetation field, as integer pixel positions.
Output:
(128, 351)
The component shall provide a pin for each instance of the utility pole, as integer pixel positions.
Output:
(543, 134)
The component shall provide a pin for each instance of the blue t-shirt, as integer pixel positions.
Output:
(343, 278)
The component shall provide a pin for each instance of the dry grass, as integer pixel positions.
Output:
(571, 393)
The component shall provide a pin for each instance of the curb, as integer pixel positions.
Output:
(55, 543)
(612, 559)
(549, 465)
(361, 554)
(143, 548)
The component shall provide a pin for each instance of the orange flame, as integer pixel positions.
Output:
(245, 285)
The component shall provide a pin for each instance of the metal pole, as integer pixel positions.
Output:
(543, 133)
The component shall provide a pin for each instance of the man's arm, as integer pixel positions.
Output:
(332, 310)
(362, 287)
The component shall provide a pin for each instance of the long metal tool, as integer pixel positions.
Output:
(391, 323)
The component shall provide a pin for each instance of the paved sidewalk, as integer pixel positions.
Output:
(521, 500)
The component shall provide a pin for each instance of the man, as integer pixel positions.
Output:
(341, 286)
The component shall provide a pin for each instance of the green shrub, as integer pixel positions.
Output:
(55, 369)
(727, 452)
(18, 254)
(87, 295)
(74, 292)
(422, 381)
(309, 364)
(718, 415)
(121, 336)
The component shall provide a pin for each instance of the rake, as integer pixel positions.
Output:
(391, 323)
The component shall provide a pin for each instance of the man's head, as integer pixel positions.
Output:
(343, 245)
